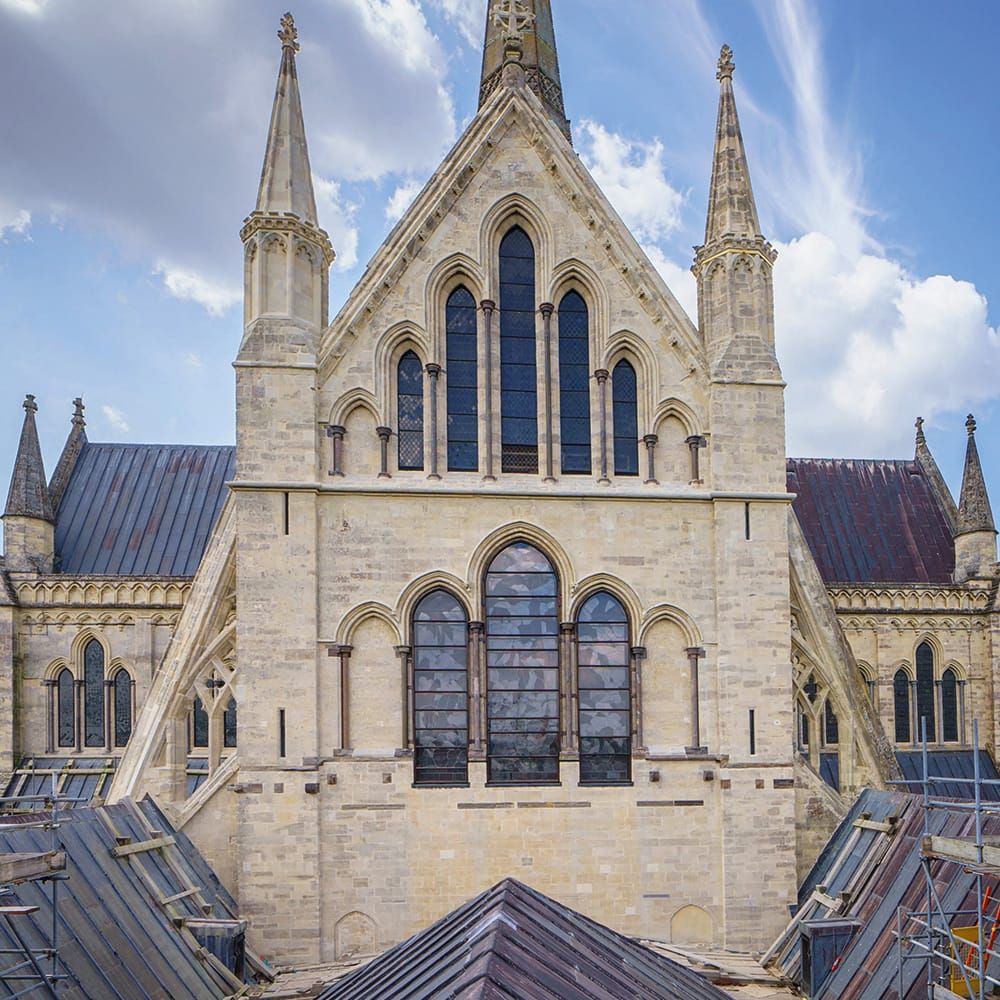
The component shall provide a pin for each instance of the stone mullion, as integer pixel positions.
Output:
(405, 654)
(488, 308)
(344, 652)
(434, 373)
(477, 691)
(650, 441)
(546, 310)
(131, 695)
(963, 739)
(695, 655)
(914, 717)
(52, 729)
(602, 375)
(78, 711)
(384, 433)
(569, 692)
(939, 706)
(107, 716)
(638, 654)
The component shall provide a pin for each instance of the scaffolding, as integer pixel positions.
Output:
(34, 968)
(955, 944)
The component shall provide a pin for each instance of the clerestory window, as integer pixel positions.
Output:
(574, 385)
(901, 706)
(65, 709)
(122, 703)
(410, 405)
(625, 418)
(462, 367)
(93, 694)
(925, 689)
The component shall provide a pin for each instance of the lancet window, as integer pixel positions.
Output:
(410, 405)
(65, 709)
(229, 724)
(605, 715)
(831, 725)
(901, 706)
(93, 694)
(518, 379)
(574, 385)
(625, 418)
(462, 374)
(440, 691)
(949, 706)
(199, 725)
(121, 697)
(522, 650)
(925, 688)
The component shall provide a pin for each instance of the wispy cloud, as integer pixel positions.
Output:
(183, 283)
(468, 16)
(338, 217)
(13, 221)
(115, 418)
(401, 199)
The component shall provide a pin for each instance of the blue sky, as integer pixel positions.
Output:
(132, 151)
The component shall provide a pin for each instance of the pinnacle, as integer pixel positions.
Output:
(29, 495)
(974, 511)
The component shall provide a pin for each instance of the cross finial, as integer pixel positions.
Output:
(970, 424)
(726, 64)
(289, 34)
(78, 412)
(515, 17)
(29, 404)
(920, 430)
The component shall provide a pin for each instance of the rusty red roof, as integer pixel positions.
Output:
(871, 521)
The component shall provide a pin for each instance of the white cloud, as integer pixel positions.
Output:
(468, 16)
(337, 216)
(33, 8)
(115, 418)
(13, 221)
(192, 360)
(679, 280)
(633, 176)
(185, 284)
(402, 199)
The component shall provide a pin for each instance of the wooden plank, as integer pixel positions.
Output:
(21, 867)
(124, 850)
(889, 826)
(828, 901)
(961, 851)
(17, 911)
(180, 895)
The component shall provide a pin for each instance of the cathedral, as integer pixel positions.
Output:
(508, 573)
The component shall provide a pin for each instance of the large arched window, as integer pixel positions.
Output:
(925, 688)
(901, 706)
(605, 691)
(440, 691)
(522, 649)
(949, 706)
(462, 368)
(122, 702)
(410, 403)
(93, 694)
(65, 709)
(518, 379)
(574, 385)
(625, 418)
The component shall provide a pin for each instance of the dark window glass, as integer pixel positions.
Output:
(199, 724)
(605, 708)
(574, 385)
(410, 400)
(93, 694)
(625, 417)
(462, 373)
(518, 379)
(522, 658)
(123, 708)
(901, 706)
(440, 691)
(229, 724)
(949, 707)
(831, 724)
(65, 709)
(925, 689)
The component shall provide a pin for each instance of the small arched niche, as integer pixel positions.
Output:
(692, 925)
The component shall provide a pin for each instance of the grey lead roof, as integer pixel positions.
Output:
(140, 509)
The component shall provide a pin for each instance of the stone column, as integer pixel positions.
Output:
(939, 712)
(344, 652)
(695, 443)
(51, 730)
(638, 742)
(488, 308)
(962, 737)
(477, 691)
(914, 717)
(602, 375)
(131, 694)
(78, 691)
(337, 433)
(409, 705)
(569, 744)
(107, 716)
(695, 654)
(434, 372)
(650, 441)
(547, 309)
(384, 433)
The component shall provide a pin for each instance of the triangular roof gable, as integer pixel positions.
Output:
(506, 109)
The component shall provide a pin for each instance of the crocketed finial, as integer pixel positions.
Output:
(970, 424)
(920, 430)
(289, 34)
(726, 64)
(78, 409)
(29, 403)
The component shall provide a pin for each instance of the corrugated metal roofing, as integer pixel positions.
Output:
(950, 764)
(141, 510)
(871, 521)
(512, 941)
(116, 938)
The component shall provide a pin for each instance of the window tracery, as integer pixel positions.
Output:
(410, 408)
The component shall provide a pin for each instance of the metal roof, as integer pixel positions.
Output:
(141, 510)
(512, 941)
(869, 521)
(120, 932)
(950, 764)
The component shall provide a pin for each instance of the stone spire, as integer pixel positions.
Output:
(286, 180)
(925, 460)
(29, 496)
(974, 513)
(70, 453)
(521, 31)
(731, 207)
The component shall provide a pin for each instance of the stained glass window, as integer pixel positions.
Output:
(122, 692)
(949, 706)
(65, 709)
(462, 373)
(625, 418)
(901, 706)
(93, 694)
(522, 658)
(518, 380)
(199, 724)
(440, 691)
(229, 724)
(574, 385)
(410, 400)
(605, 692)
(925, 688)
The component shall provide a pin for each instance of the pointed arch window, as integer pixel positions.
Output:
(901, 706)
(522, 657)
(65, 709)
(625, 418)
(802, 725)
(229, 725)
(925, 688)
(440, 691)
(518, 378)
(122, 702)
(93, 694)
(605, 712)
(410, 404)
(831, 725)
(463, 386)
(199, 725)
(949, 706)
(574, 385)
